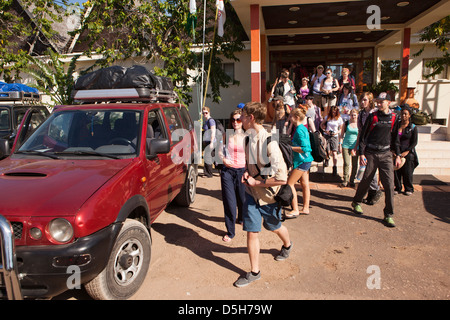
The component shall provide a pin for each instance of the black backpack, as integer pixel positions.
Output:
(318, 145)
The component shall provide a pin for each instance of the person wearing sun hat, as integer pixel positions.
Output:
(378, 140)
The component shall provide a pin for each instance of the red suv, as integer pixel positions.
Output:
(83, 190)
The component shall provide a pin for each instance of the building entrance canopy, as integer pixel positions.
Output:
(331, 24)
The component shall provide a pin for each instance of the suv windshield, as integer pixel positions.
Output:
(86, 133)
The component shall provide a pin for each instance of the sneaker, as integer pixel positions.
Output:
(284, 253)
(408, 193)
(357, 208)
(247, 279)
(389, 222)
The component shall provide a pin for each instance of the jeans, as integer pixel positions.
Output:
(349, 159)
(233, 196)
(383, 162)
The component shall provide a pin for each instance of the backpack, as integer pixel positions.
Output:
(318, 146)
(286, 151)
(420, 118)
(221, 129)
(375, 120)
(284, 196)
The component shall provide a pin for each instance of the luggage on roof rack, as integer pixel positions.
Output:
(117, 83)
(125, 95)
(117, 77)
(18, 92)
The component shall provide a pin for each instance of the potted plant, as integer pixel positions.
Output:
(384, 86)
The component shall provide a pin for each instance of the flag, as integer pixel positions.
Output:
(221, 16)
(192, 7)
(192, 17)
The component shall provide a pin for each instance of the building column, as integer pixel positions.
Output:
(404, 66)
(255, 39)
(263, 67)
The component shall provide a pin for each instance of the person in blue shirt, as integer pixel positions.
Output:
(301, 146)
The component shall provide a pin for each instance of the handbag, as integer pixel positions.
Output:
(284, 196)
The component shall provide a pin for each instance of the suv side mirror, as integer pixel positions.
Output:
(157, 146)
(4, 148)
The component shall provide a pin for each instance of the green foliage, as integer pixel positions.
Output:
(52, 77)
(157, 30)
(438, 33)
(146, 31)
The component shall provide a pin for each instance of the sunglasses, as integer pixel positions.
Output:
(205, 112)
(236, 120)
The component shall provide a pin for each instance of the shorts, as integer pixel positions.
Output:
(333, 142)
(254, 214)
(304, 166)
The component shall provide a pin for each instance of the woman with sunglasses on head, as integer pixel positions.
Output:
(233, 158)
(329, 89)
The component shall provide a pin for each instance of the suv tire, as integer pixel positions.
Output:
(127, 265)
(189, 189)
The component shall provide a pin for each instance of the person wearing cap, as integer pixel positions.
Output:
(377, 142)
(316, 82)
(285, 88)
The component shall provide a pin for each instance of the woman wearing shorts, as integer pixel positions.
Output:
(302, 161)
(331, 126)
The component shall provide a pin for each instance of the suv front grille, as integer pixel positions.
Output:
(17, 229)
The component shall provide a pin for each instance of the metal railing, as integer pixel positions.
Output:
(8, 264)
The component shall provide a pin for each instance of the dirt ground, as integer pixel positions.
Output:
(336, 254)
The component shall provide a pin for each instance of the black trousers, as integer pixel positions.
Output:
(405, 173)
(383, 162)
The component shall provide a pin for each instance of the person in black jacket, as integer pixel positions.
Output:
(379, 138)
(408, 136)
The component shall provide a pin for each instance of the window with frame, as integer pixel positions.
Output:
(426, 70)
(228, 69)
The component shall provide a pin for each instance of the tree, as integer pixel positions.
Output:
(51, 76)
(21, 34)
(158, 30)
(150, 30)
(438, 33)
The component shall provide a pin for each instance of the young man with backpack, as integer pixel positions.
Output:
(378, 141)
(262, 184)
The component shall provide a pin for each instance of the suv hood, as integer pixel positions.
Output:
(31, 187)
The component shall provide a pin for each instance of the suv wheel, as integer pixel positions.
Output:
(189, 189)
(127, 266)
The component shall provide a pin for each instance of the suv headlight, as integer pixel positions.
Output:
(60, 230)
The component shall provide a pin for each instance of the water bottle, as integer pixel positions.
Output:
(360, 173)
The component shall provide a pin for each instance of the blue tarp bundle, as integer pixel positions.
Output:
(5, 87)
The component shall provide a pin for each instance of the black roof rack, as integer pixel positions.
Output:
(125, 95)
(19, 96)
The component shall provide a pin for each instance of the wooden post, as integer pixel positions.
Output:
(404, 69)
(255, 39)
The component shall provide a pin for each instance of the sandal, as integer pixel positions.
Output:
(226, 238)
(291, 215)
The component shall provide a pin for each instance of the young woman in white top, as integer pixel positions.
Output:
(329, 89)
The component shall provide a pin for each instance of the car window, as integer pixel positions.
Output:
(173, 119)
(103, 131)
(4, 119)
(186, 119)
(155, 125)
